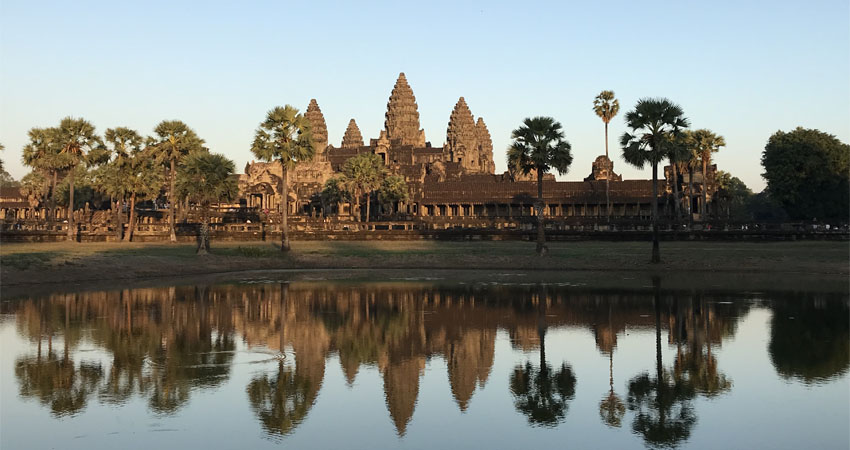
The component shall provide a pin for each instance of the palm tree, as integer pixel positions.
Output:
(76, 138)
(691, 161)
(284, 136)
(207, 178)
(677, 153)
(42, 154)
(361, 175)
(539, 145)
(144, 181)
(606, 107)
(652, 122)
(124, 144)
(175, 141)
(704, 143)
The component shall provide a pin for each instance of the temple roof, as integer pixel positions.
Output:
(402, 117)
(352, 137)
(318, 127)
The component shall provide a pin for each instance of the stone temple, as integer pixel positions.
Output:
(457, 180)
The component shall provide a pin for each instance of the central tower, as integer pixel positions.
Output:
(402, 118)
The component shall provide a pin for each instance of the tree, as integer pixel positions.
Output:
(42, 154)
(284, 136)
(207, 178)
(392, 191)
(122, 144)
(362, 175)
(76, 139)
(703, 143)
(539, 145)
(174, 141)
(735, 195)
(333, 193)
(678, 154)
(606, 107)
(808, 173)
(652, 123)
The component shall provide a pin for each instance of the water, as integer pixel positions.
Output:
(416, 363)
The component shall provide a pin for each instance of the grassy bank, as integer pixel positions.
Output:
(36, 263)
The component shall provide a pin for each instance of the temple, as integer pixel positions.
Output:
(456, 180)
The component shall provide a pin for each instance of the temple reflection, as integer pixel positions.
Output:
(164, 344)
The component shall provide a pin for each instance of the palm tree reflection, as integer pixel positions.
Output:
(664, 415)
(541, 393)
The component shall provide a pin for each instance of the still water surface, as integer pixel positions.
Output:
(424, 364)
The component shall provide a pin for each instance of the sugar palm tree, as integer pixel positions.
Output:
(284, 136)
(677, 153)
(174, 141)
(704, 143)
(362, 175)
(539, 145)
(42, 154)
(122, 144)
(606, 107)
(207, 178)
(76, 139)
(652, 122)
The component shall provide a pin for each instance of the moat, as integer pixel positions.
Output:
(499, 360)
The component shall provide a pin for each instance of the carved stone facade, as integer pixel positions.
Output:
(603, 169)
(457, 180)
(352, 137)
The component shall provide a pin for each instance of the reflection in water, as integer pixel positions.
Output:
(163, 344)
(810, 339)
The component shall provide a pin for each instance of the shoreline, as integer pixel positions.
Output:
(54, 265)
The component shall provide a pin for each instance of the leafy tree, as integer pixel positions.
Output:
(606, 107)
(703, 143)
(284, 136)
(7, 180)
(35, 186)
(652, 123)
(539, 145)
(207, 178)
(122, 144)
(79, 143)
(333, 193)
(735, 195)
(43, 155)
(282, 402)
(175, 140)
(392, 191)
(362, 175)
(808, 173)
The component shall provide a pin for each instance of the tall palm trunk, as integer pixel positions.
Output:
(368, 206)
(691, 196)
(53, 196)
(607, 179)
(119, 217)
(676, 205)
(656, 254)
(284, 209)
(704, 210)
(171, 202)
(541, 232)
(131, 227)
(204, 245)
(71, 205)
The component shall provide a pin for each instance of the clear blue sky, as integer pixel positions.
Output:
(743, 69)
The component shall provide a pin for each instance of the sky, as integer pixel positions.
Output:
(743, 69)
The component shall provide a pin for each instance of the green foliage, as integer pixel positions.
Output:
(284, 136)
(333, 192)
(363, 174)
(207, 178)
(174, 141)
(736, 196)
(6, 180)
(703, 143)
(85, 189)
(131, 169)
(808, 173)
(393, 189)
(76, 139)
(655, 124)
(539, 144)
(35, 185)
(606, 106)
